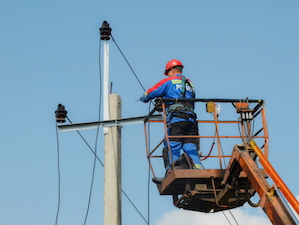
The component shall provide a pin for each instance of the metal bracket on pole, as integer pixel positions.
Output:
(107, 123)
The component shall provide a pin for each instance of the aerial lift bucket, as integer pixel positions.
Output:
(213, 190)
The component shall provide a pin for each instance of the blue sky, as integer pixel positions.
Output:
(49, 54)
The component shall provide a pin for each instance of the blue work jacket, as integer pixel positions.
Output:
(169, 87)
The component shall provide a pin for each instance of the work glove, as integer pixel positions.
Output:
(142, 98)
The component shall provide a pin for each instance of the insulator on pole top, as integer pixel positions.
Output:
(105, 31)
(60, 114)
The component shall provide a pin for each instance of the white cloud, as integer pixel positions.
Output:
(241, 215)
(179, 217)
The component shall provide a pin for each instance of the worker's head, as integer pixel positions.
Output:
(173, 67)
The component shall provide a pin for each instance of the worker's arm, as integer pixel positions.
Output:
(158, 90)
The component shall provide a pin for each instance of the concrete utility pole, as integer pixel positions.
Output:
(112, 184)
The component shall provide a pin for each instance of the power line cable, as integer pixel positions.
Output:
(104, 166)
(226, 218)
(96, 158)
(92, 178)
(148, 182)
(233, 217)
(58, 169)
(128, 63)
(96, 140)
(148, 195)
(134, 206)
(147, 221)
(87, 143)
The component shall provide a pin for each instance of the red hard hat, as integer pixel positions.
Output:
(172, 63)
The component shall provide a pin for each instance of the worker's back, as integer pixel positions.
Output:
(172, 87)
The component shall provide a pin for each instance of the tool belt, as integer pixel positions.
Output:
(178, 107)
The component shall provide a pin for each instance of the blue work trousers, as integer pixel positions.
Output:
(182, 124)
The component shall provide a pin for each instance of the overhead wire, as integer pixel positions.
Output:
(96, 158)
(104, 166)
(226, 218)
(93, 152)
(127, 62)
(148, 180)
(121, 52)
(93, 173)
(58, 170)
(96, 140)
(233, 216)
(92, 177)
(135, 207)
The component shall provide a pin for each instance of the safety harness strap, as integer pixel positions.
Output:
(179, 107)
(183, 90)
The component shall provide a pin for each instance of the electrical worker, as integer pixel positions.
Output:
(181, 119)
